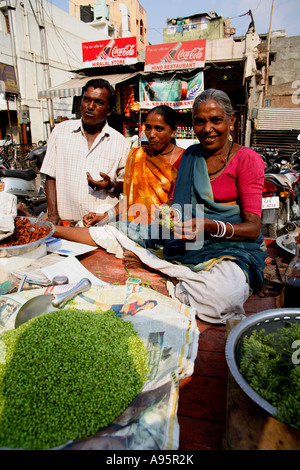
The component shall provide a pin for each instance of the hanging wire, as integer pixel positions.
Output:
(61, 39)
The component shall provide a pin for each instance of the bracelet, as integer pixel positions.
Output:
(218, 227)
(111, 214)
(232, 230)
(102, 222)
(179, 215)
(221, 229)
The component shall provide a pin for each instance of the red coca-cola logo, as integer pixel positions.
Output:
(127, 51)
(194, 54)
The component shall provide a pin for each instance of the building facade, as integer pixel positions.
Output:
(276, 122)
(199, 26)
(283, 73)
(40, 46)
(127, 17)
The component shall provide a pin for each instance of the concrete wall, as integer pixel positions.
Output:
(286, 66)
(286, 95)
(198, 27)
(284, 73)
(136, 14)
(64, 37)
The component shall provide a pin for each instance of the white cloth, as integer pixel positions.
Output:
(216, 295)
(8, 204)
(68, 159)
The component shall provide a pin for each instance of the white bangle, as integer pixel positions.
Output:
(221, 229)
(178, 214)
(232, 227)
(218, 229)
(111, 214)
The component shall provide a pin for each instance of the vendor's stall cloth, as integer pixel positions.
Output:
(169, 331)
(8, 204)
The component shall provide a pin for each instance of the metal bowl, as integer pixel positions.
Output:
(9, 251)
(270, 321)
(288, 242)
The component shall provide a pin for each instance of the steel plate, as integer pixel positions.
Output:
(9, 251)
(288, 242)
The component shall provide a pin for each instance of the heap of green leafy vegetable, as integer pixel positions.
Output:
(269, 363)
(165, 218)
(67, 374)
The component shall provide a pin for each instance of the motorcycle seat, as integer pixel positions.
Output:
(281, 178)
(27, 175)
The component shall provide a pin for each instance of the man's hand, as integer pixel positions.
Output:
(92, 218)
(106, 183)
(54, 219)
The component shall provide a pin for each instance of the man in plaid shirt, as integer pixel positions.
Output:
(85, 159)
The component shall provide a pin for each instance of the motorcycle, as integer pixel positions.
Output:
(269, 155)
(280, 205)
(5, 157)
(292, 171)
(22, 183)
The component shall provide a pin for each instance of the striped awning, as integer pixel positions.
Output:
(74, 86)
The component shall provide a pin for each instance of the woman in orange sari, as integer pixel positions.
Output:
(150, 172)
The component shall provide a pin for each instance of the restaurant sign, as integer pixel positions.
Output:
(120, 51)
(178, 92)
(175, 55)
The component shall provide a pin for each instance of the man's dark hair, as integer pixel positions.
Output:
(102, 83)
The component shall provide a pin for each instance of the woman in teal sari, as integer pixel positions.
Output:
(218, 193)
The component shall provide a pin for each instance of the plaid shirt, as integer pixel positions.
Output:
(68, 158)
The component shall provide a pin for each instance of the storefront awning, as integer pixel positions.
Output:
(74, 86)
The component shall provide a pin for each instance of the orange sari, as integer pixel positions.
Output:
(148, 181)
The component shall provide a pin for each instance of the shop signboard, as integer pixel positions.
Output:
(175, 55)
(121, 51)
(8, 81)
(177, 92)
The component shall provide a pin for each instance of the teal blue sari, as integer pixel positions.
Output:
(193, 188)
(193, 191)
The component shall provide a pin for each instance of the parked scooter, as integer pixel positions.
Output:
(22, 183)
(281, 210)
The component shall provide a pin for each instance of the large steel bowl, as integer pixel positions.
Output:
(270, 321)
(9, 251)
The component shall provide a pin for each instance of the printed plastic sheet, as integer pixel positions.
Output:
(169, 331)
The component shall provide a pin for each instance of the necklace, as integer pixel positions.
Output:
(171, 159)
(167, 153)
(225, 164)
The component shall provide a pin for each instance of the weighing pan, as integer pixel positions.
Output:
(49, 302)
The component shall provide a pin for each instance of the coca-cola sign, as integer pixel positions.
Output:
(176, 55)
(120, 51)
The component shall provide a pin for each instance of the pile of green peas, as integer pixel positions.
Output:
(66, 375)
